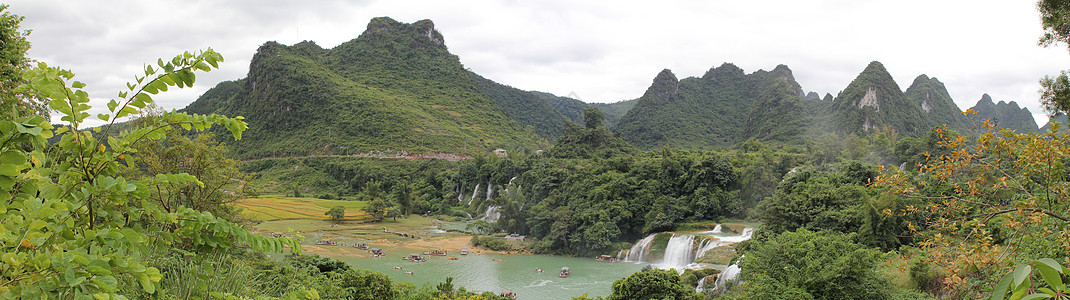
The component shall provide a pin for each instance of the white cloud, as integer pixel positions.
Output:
(604, 51)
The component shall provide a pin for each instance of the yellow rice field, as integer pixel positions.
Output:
(277, 208)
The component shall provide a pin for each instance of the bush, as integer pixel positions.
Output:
(492, 243)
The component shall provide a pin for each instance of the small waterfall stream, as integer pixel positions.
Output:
(492, 214)
(678, 252)
(474, 192)
(638, 252)
(729, 274)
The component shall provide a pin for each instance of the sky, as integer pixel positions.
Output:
(600, 51)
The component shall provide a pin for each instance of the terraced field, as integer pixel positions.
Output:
(270, 208)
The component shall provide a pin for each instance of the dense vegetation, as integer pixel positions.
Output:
(873, 100)
(936, 104)
(527, 108)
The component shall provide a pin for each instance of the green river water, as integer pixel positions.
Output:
(516, 273)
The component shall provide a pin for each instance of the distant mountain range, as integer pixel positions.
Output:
(397, 87)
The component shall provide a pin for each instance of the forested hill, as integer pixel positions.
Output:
(936, 104)
(723, 107)
(396, 86)
(874, 101)
(1006, 114)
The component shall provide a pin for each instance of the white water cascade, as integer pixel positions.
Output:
(678, 252)
(729, 274)
(701, 283)
(716, 229)
(490, 190)
(640, 249)
(474, 192)
(492, 214)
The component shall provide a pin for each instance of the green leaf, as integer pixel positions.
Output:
(1050, 272)
(126, 111)
(78, 85)
(1020, 274)
(37, 224)
(103, 117)
(1036, 296)
(146, 283)
(112, 104)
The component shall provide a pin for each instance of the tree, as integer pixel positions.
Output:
(811, 265)
(652, 284)
(72, 224)
(1055, 18)
(13, 62)
(203, 157)
(336, 213)
(593, 117)
(1000, 197)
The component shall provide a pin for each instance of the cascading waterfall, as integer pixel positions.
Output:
(716, 229)
(708, 245)
(490, 190)
(474, 192)
(639, 250)
(679, 252)
(701, 283)
(729, 274)
(492, 214)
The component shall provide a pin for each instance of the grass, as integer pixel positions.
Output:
(271, 208)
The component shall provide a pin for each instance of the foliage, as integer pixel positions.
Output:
(13, 61)
(336, 213)
(490, 242)
(1021, 283)
(582, 142)
(652, 284)
(982, 197)
(811, 265)
(593, 117)
(1055, 18)
(613, 111)
(527, 108)
(221, 183)
(73, 225)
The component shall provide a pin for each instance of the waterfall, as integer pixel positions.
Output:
(716, 229)
(619, 254)
(729, 274)
(707, 246)
(474, 192)
(460, 194)
(638, 251)
(492, 214)
(679, 252)
(490, 190)
(701, 283)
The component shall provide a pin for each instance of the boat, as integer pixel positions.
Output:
(326, 242)
(508, 294)
(360, 246)
(376, 252)
(414, 258)
(607, 258)
(436, 252)
(564, 272)
(464, 250)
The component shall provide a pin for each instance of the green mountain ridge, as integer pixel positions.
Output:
(1005, 114)
(936, 104)
(396, 86)
(873, 100)
(723, 107)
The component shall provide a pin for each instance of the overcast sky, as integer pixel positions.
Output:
(603, 51)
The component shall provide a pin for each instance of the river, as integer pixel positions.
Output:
(516, 273)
